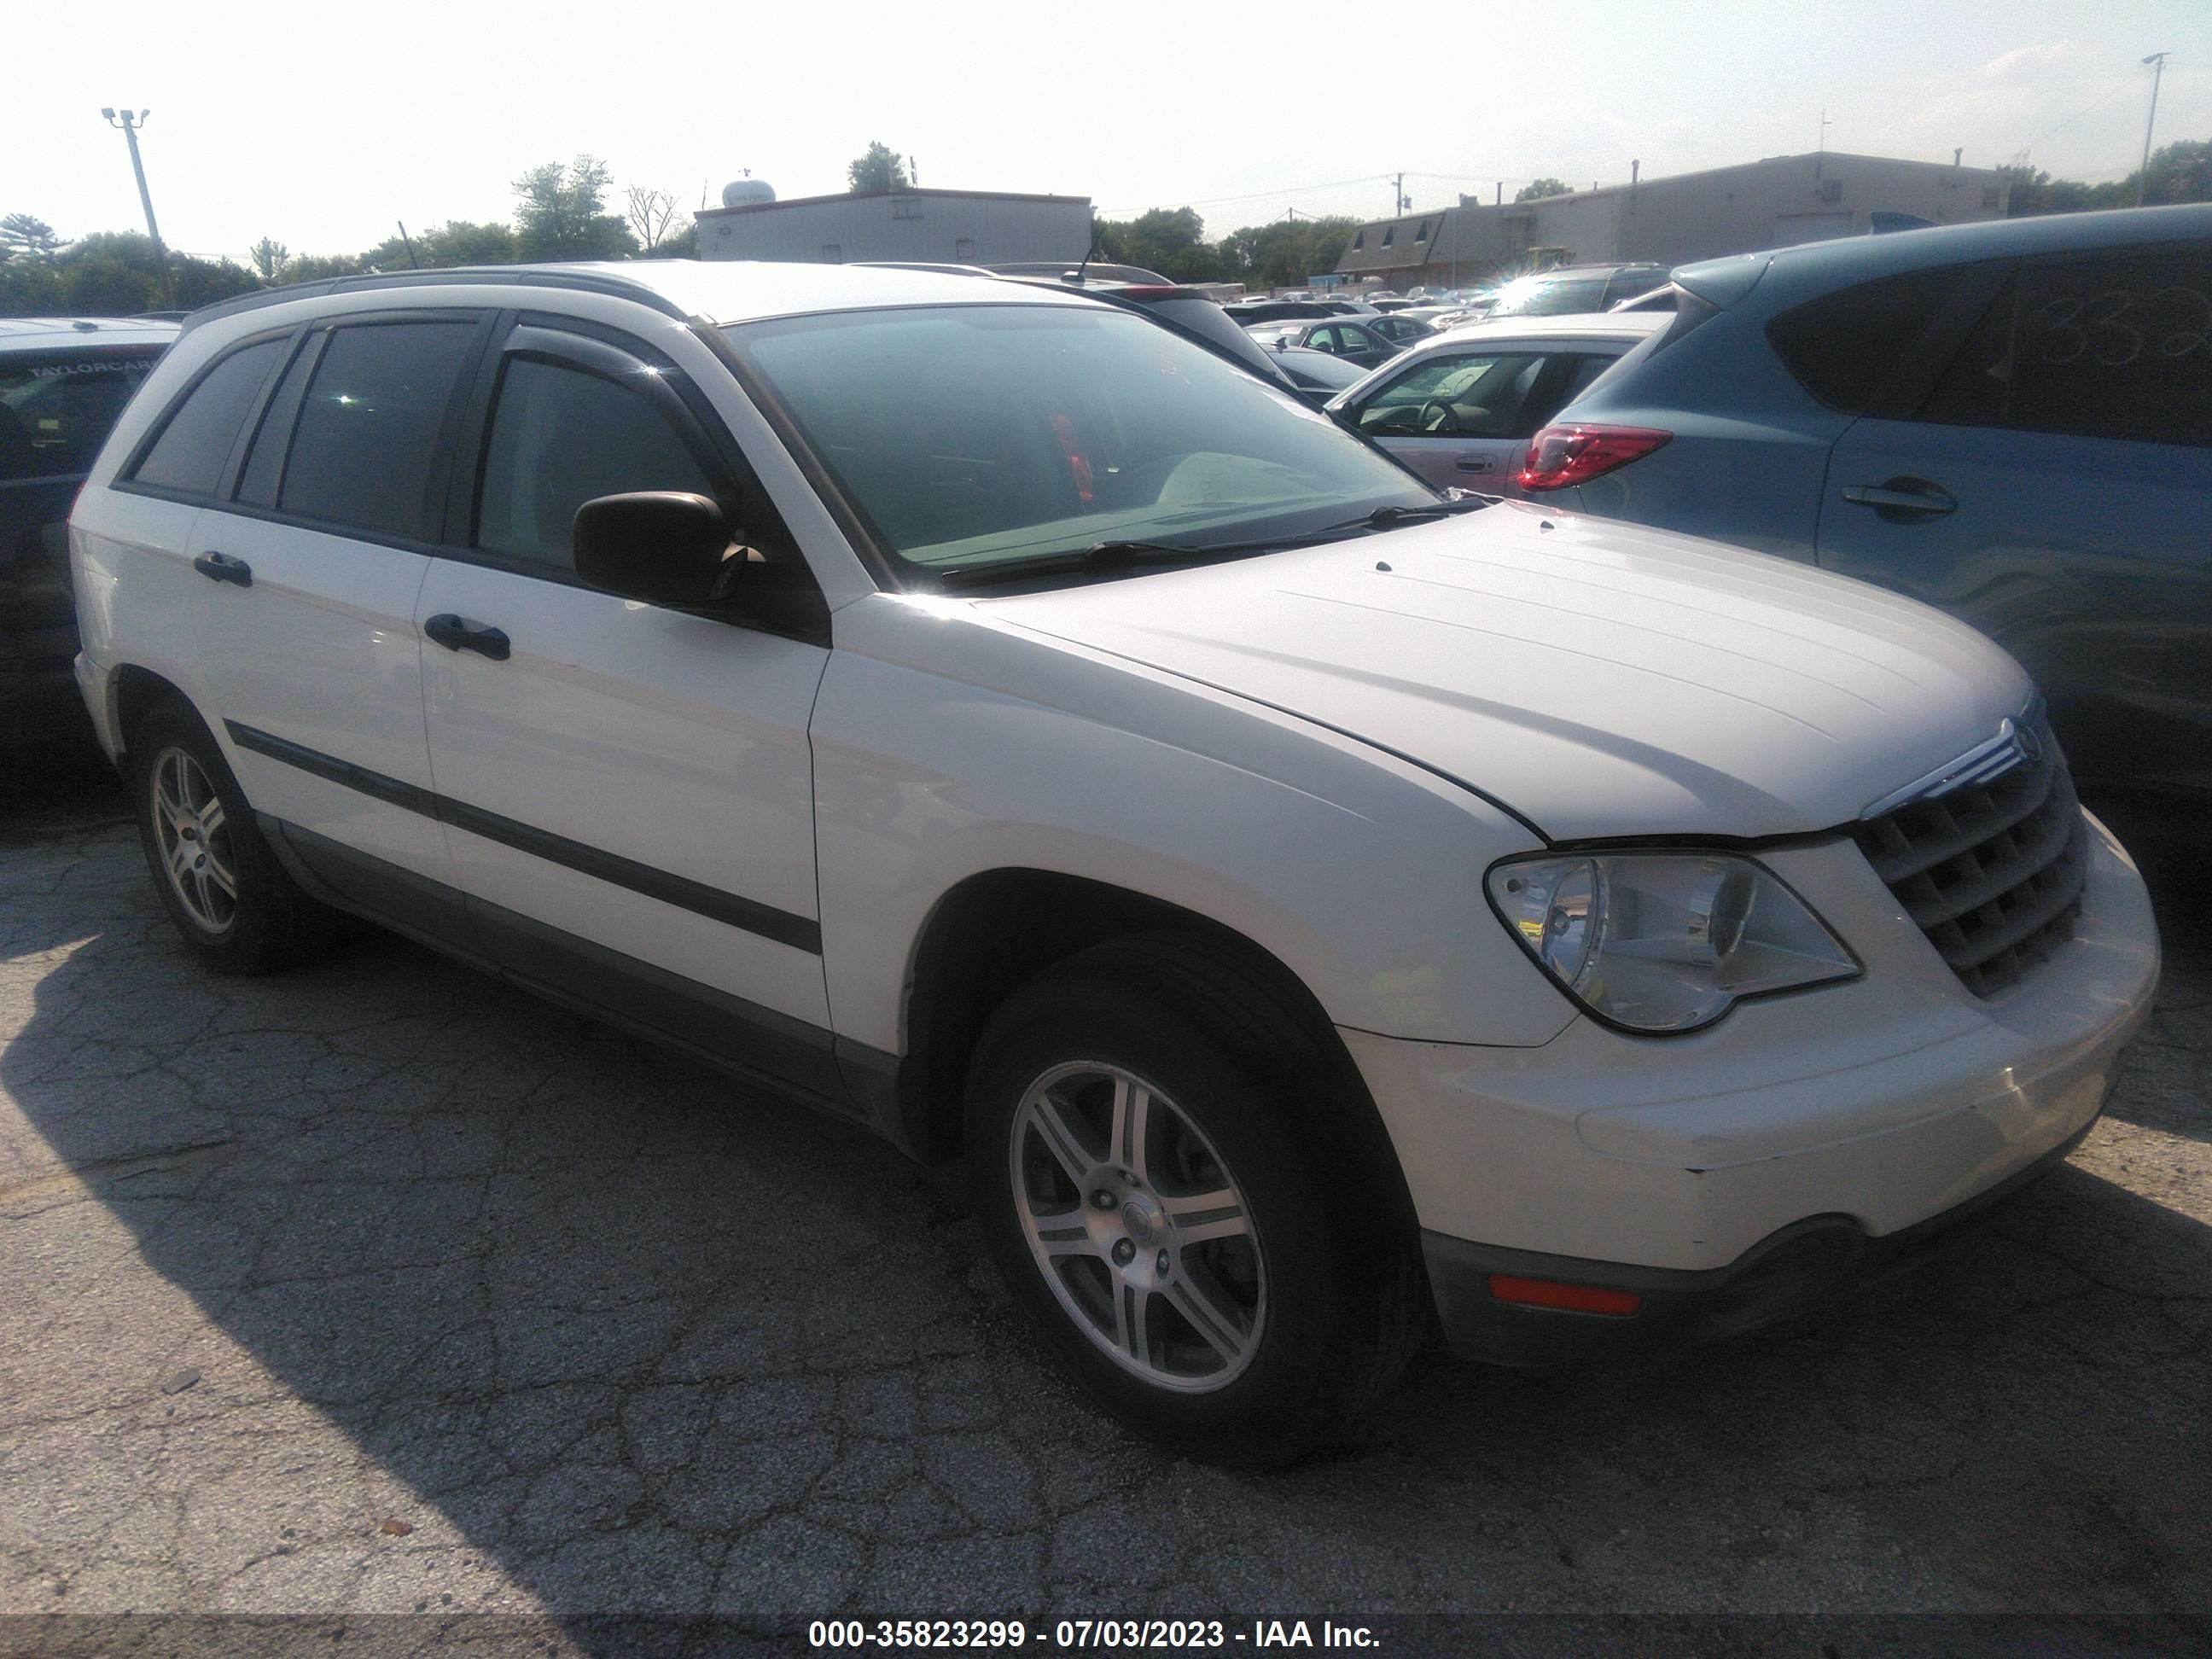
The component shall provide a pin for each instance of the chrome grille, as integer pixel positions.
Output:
(1991, 871)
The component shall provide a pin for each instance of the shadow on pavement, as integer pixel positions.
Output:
(610, 1336)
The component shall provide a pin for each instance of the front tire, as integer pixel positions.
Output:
(1175, 1195)
(232, 901)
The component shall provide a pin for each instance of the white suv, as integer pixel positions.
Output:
(994, 718)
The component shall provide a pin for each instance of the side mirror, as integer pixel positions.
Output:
(660, 545)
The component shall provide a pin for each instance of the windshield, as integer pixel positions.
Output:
(972, 436)
(1549, 296)
(56, 408)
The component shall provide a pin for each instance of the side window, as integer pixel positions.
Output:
(561, 436)
(1548, 388)
(2117, 346)
(1842, 345)
(1357, 339)
(197, 438)
(1322, 339)
(366, 443)
(1454, 397)
(264, 460)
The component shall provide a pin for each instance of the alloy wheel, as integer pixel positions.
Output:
(1138, 1226)
(189, 824)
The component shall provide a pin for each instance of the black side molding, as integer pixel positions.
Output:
(763, 921)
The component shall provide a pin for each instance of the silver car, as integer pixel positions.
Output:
(1460, 408)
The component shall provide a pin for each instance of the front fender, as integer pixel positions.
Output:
(947, 745)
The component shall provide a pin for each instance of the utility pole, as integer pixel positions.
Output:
(131, 125)
(2157, 62)
(1399, 200)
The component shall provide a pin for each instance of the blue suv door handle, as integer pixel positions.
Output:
(1903, 498)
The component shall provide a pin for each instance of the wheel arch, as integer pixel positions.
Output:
(999, 929)
(134, 692)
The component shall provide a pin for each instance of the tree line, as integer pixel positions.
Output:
(2179, 172)
(562, 213)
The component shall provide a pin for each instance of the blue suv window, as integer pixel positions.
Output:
(2115, 345)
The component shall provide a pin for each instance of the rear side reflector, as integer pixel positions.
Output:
(1552, 1293)
(1562, 455)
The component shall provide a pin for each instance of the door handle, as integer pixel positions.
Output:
(1476, 464)
(221, 568)
(1902, 500)
(460, 633)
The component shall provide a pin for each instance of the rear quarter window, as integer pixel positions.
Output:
(1841, 346)
(196, 436)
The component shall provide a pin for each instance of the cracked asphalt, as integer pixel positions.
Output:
(383, 1288)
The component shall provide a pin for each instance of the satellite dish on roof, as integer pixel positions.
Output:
(747, 192)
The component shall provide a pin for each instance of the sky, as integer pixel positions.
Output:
(323, 126)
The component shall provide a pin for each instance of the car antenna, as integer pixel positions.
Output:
(1087, 254)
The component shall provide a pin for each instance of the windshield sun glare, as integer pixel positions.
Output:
(978, 436)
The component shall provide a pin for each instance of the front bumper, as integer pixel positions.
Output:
(1792, 1271)
(1784, 1139)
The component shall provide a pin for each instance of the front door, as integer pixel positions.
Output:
(628, 790)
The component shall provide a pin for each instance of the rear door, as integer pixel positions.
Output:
(1463, 418)
(2046, 481)
(311, 561)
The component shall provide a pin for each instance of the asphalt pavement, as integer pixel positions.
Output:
(383, 1288)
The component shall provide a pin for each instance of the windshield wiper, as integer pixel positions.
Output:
(1099, 556)
(1128, 555)
(1386, 517)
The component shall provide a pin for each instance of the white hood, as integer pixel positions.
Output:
(1598, 678)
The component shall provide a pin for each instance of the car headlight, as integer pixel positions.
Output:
(1664, 941)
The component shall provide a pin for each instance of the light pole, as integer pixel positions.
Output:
(129, 125)
(2157, 62)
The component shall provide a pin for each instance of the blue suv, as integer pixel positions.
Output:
(2012, 421)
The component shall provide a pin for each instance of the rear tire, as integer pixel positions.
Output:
(1233, 1282)
(234, 904)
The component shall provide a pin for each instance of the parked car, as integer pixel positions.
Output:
(1192, 315)
(1247, 312)
(63, 380)
(1461, 407)
(996, 720)
(2011, 420)
(1317, 376)
(1568, 289)
(1400, 330)
(1339, 336)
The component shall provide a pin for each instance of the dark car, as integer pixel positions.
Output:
(1354, 339)
(1574, 289)
(63, 383)
(2010, 420)
(1400, 331)
(1246, 313)
(1315, 376)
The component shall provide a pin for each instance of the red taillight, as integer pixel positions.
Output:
(1552, 1293)
(1562, 455)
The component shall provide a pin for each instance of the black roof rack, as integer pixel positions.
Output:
(586, 282)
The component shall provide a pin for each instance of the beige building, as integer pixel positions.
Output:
(942, 226)
(1691, 216)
